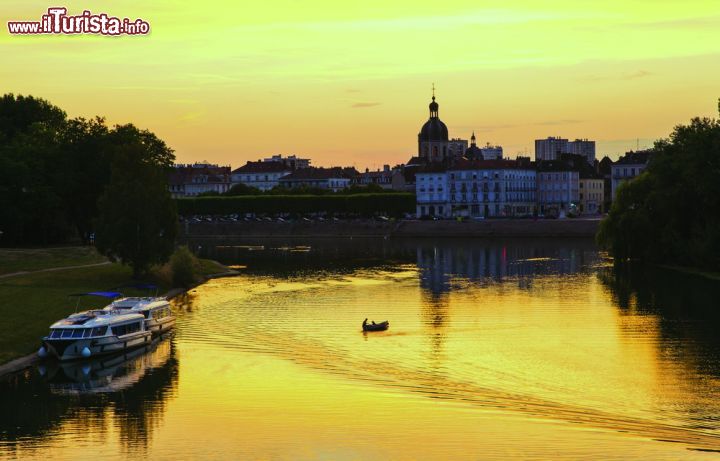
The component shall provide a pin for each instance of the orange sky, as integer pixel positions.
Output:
(349, 84)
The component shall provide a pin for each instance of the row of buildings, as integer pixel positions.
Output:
(192, 180)
(564, 178)
(451, 177)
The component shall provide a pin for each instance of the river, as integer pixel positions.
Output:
(497, 349)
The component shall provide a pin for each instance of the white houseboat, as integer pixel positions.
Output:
(94, 333)
(159, 318)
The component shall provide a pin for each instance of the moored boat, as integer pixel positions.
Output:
(94, 333)
(159, 318)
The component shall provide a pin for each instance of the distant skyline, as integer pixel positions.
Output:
(349, 84)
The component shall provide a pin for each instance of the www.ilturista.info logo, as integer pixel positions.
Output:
(56, 21)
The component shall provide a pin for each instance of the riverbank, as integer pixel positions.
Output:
(541, 228)
(32, 300)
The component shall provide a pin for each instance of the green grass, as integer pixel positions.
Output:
(30, 303)
(33, 259)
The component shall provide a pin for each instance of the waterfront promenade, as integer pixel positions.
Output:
(541, 228)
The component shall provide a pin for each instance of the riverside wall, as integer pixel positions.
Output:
(545, 228)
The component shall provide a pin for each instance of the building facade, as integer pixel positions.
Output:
(431, 192)
(591, 195)
(194, 179)
(334, 179)
(583, 147)
(261, 175)
(292, 162)
(627, 167)
(558, 189)
(491, 152)
(480, 189)
(382, 178)
(457, 147)
(551, 148)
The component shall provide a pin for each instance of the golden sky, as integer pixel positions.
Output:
(349, 82)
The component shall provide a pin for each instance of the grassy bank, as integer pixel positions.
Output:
(32, 259)
(29, 303)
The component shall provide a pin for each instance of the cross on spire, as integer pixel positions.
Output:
(433, 89)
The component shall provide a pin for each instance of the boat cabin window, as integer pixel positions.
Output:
(121, 330)
(161, 312)
(58, 333)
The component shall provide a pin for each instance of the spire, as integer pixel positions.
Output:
(472, 139)
(433, 105)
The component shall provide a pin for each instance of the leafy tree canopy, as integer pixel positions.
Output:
(671, 212)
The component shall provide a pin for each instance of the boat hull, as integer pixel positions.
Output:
(160, 326)
(72, 349)
(382, 326)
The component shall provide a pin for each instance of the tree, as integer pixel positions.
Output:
(671, 213)
(84, 171)
(30, 207)
(137, 224)
(243, 189)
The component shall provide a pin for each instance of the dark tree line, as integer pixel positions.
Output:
(671, 213)
(64, 180)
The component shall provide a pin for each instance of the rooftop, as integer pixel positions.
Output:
(321, 173)
(262, 167)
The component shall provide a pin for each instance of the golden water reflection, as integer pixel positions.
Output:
(494, 351)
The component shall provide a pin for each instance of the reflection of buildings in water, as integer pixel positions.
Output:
(441, 265)
(129, 394)
(435, 314)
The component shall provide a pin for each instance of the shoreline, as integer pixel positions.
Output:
(21, 363)
(490, 228)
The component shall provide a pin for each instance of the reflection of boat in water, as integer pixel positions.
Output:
(107, 374)
(382, 326)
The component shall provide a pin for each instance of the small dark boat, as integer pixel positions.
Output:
(382, 326)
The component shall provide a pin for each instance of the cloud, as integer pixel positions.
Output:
(352, 90)
(558, 122)
(486, 128)
(360, 105)
(626, 76)
(706, 22)
(638, 74)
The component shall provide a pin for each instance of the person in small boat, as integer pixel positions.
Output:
(364, 322)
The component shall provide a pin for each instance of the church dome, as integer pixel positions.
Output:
(473, 152)
(434, 129)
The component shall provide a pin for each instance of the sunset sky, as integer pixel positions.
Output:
(348, 83)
